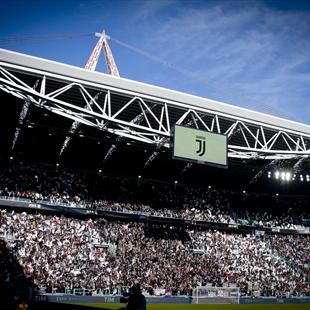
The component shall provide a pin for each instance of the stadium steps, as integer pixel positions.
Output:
(288, 262)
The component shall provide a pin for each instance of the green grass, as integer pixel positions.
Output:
(205, 307)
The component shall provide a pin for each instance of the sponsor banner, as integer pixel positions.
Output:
(274, 300)
(62, 298)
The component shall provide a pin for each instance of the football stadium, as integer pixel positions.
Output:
(118, 194)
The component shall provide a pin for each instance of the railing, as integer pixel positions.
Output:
(97, 292)
(7, 236)
(118, 291)
(298, 228)
(46, 202)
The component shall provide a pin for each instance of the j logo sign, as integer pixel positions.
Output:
(201, 145)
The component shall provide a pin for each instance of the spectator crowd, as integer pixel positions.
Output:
(64, 253)
(58, 252)
(57, 186)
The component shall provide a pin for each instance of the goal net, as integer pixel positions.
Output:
(215, 295)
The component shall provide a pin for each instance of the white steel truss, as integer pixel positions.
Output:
(156, 117)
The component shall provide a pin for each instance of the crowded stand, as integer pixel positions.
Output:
(41, 183)
(61, 253)
(77, 189)
(292, 248)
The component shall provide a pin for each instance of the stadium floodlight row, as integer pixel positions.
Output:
(145, 112)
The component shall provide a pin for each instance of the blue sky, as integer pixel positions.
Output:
(254, 54)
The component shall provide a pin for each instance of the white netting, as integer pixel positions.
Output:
(215, 295)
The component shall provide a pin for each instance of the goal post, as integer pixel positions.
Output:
(215, 295)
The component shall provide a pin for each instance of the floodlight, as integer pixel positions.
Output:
(277, 174)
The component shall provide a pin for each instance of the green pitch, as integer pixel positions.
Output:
(206, 307)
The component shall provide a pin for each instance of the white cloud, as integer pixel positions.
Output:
(249, 50)
(147, 9)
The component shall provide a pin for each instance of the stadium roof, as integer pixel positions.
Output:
(137, 119)
(171, 96)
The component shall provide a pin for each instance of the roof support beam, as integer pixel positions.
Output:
(246, 138)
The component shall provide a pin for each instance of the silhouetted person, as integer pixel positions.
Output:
(15, 288)
(136, 300)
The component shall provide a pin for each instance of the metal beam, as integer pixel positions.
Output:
(246, 138)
